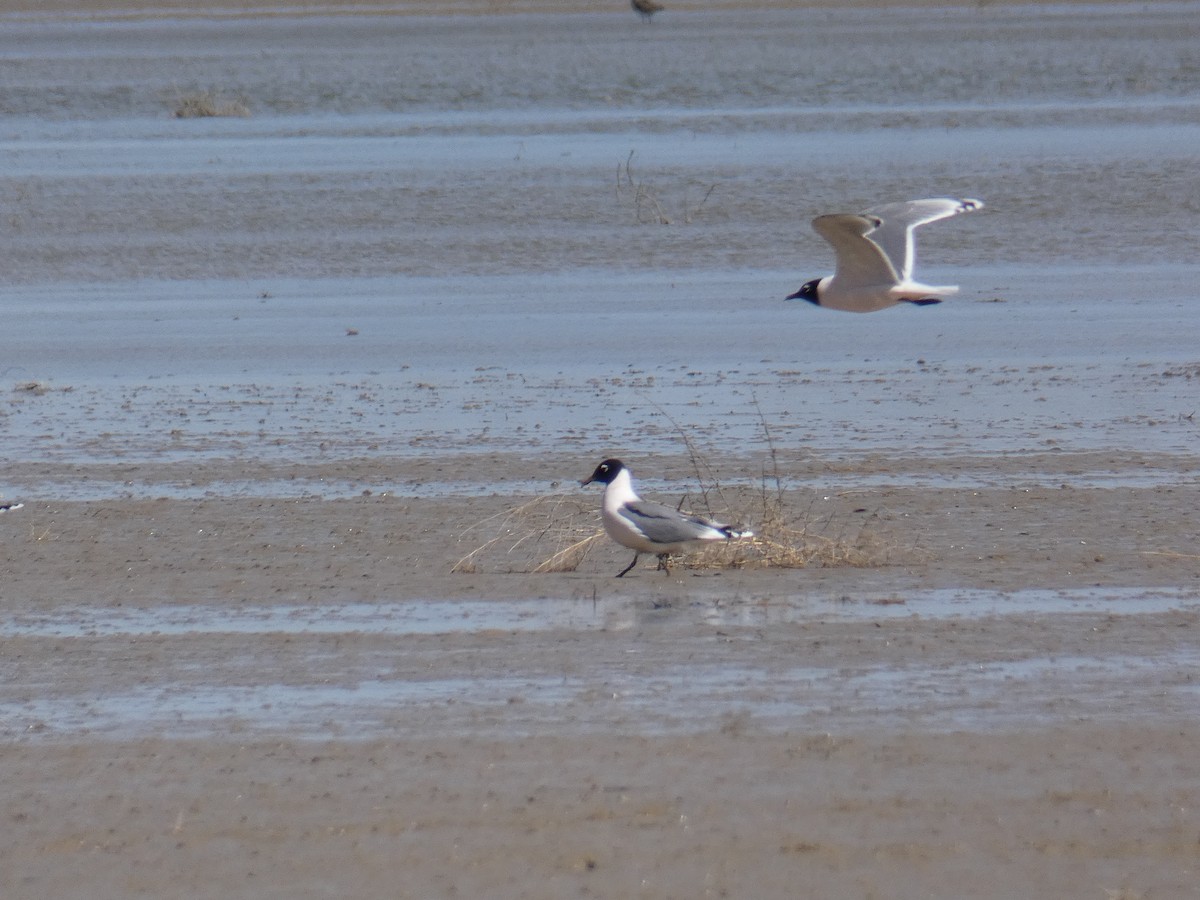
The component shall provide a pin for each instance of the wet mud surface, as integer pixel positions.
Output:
(297, 402)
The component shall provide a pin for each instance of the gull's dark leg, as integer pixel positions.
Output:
(630, 566)
(663, 562)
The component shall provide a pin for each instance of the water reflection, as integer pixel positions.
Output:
(429, 617)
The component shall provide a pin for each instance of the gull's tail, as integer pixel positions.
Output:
(930, 290)
(736, 534)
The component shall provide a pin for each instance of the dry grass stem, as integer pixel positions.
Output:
(43, 535)
(646, 205)
(569, 558)
(561, 520)
(1171, 554)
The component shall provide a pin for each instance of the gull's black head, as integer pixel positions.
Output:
(808, 291)
(605, 472)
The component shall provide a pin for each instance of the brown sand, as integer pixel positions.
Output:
(187, 8)
(1055, 800)
(1061, 784)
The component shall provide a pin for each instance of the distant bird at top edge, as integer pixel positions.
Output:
(646, 8)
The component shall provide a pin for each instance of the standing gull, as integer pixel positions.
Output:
(9, 507)
(876, 255)
(646, 527)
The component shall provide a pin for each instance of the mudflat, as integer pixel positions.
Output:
(256, 697)
(297, 402)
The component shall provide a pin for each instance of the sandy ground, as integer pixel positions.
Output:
(156, 8)
(236, 660)
(1057, 783)
(1066, 812)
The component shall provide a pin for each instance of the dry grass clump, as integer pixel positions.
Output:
(570, 524)
(38, 388)
(522, 534)
(555, 533)
(203, 104)
(780, 544)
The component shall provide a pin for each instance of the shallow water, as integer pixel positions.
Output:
(679, 701)
(417, 617)
(189, 376)
(366, 692)
(428, 239)
(425, 238)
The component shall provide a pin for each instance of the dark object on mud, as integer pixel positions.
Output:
(646, 8)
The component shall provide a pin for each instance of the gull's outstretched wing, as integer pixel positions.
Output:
(895, 235)
(860, 261)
